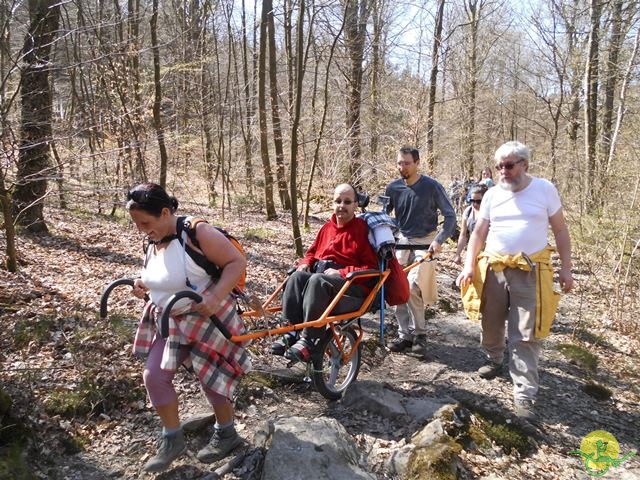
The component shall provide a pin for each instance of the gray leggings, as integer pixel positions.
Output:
(159, 383)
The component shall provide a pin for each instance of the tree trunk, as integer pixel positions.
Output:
(433, 83)
(249, 108)
(473, 8)
(11, 262)
(35, 128)
(157, 100)
(262, 116)
(591, 105)
(300, 56)
(356, 13)
(320, 132)
(285, 201)
(610, 86)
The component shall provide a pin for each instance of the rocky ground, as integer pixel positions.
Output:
(77, 389)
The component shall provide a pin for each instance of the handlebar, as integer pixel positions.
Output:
(166, 313)
(107, 292)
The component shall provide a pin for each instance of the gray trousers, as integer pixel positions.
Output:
(510, 297)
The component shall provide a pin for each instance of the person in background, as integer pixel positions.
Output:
(416, 200)
(508, 275)
(218, 362)
(341, 247)
(486, 178)
(469, 218)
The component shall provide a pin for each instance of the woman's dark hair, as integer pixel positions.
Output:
(480, 188)
(151, 198)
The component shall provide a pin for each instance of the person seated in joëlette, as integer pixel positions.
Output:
(341, 247)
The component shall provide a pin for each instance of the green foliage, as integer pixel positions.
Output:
(122, 327)
(93, 394)
(578, 356)
(259, 233)
(488, 427)
(508, 436)
(436, 461)
(71, 403)
(13, 465)
(597, 391)
(73, 444)
(32, 330)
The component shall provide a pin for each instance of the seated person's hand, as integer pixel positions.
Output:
(457, 260)
(331, 271)
(303, 268)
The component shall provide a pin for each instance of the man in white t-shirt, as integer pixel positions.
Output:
(511, 279)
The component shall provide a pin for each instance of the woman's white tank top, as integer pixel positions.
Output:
(166, 272)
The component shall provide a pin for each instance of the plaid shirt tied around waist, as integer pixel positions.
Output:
(218, 362)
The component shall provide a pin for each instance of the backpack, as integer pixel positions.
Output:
(396, 288)
(187, 225)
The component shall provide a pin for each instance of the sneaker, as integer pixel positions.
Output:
(490, 370)
(283, 343)
(419, 346)
(223, 441)
(524, 409)
(400, 345)
(170, 447)
(299, 351)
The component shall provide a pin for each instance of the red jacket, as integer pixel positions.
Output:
(346, 245)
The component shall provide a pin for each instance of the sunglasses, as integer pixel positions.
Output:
(477, 202)
(138, 196)
(507, 166)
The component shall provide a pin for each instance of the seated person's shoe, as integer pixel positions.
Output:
(223, 442)
(400, 345)
(283, 343)
(299, 351)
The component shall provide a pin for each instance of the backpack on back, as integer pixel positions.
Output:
(187, 226)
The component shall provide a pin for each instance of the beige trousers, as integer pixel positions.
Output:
(423, 287)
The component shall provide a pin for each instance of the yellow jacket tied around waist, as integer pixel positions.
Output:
(546, 297)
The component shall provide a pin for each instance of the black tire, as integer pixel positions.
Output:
(330, 375)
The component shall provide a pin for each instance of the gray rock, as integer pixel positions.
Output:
(317, 448)
(375, 398)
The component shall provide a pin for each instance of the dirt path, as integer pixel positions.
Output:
(84, 254)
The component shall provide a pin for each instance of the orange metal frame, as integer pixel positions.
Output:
(326, 318)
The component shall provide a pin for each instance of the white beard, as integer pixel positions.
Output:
(510, 187)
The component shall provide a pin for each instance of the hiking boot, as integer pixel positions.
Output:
(400, 345)
(524, 409)
(283, 343)
(490, 370)
(419, 346)
(223, 441)
(299, 351)
(170, 447)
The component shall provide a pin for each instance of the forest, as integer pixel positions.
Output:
(257, 110)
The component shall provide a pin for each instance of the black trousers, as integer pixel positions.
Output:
(306, 295)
